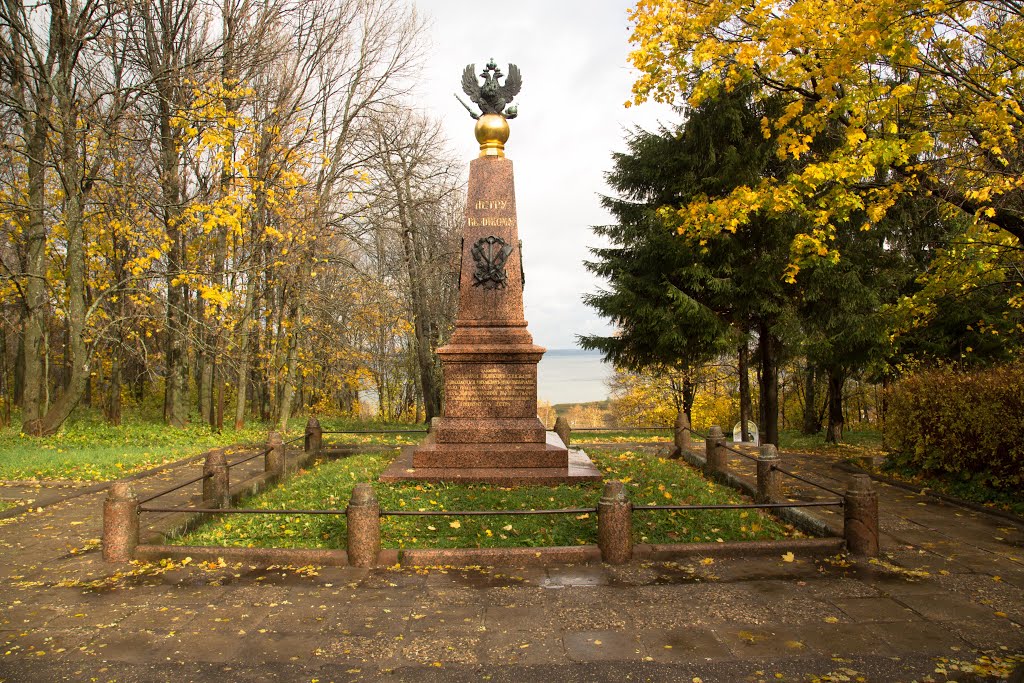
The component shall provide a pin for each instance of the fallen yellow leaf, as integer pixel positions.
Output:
(788, 557)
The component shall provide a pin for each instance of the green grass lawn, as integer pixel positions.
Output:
(650, 480)
(89, 449)
(865, 442)
(973, 489)
(617, 436)
(854, 442)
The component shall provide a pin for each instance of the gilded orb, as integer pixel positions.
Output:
(492, 133)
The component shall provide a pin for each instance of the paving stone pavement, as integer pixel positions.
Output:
(948, 589)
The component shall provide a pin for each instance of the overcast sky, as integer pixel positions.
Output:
(572, 54)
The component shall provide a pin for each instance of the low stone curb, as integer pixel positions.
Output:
(99, 486)
(22, 509)
(344, 450)
(44, 483)
(185, 521)
(802, 520)
(672, 551)
(472, 557)
(580, 554)
(847, 466)
(292, 556)
(667, 445)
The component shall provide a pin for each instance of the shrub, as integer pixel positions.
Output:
(968, 424)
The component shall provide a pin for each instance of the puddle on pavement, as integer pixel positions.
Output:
(478, 579)
(485, 579)
(273, 577)
(108, 585)
(672, 576)
(576, 578)
(880, 577)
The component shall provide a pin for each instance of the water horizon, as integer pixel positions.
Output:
(563, 376)
(573, 376)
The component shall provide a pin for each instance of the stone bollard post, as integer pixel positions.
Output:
(615, 524)
(273, 461)
(363, 514)
(682, 438)
(714, 452)
(217, 484)
(120, 523)
(314, 436)
(563, 429)
(860, 513)
(769, 479)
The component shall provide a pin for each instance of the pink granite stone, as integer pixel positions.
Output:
(491, 455)
(490, 431)
(455, 430)
(579, 469)
(120, 523)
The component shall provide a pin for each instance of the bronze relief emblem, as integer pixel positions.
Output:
(490, 255)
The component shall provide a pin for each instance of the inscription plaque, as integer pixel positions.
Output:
(491, 386)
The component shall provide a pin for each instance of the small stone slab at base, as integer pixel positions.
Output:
(430, 455)
(581, 470)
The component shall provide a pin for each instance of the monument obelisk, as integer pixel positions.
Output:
(490, 431)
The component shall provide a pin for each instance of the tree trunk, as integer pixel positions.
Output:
(76, 350)
(19, 364)
(744, 377)
(421, 324)
(176, 344)
(782, 403)
(5, 398)
(213, 380)
(204, 376)
(836, 380)
(769, 351)
(35, 298)
(881, 404)
(139, 382)
(243, 360)
(291, 365)
(218, 376)
(811, 420)
(114, 399)
(689, 393)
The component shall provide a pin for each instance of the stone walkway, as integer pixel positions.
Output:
(948, 590)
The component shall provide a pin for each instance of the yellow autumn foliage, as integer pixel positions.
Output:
(911, 96)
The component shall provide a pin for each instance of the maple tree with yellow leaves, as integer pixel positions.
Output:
(880, 100)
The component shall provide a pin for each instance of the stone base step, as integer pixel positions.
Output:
(469, 455)
(580, 470)
(506, 430)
